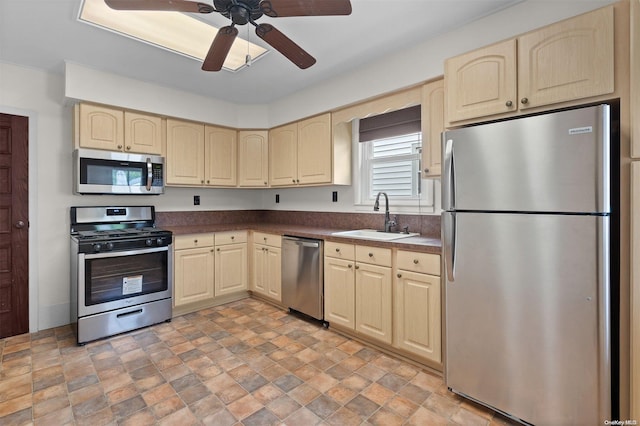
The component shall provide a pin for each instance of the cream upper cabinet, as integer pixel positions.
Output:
(301, 153)
(481, 82)
(99, 127)
(314, 150)
(193, 268)
(230, 268)
(253, 158)
(570, 60)
(220, 156)
(432, 126)
(417, 302)
(283, 155)
(142, 133)
(185, 151)
(112, 129)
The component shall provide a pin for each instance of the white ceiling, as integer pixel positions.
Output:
(45, 33)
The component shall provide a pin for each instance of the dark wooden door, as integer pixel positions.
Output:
(14, 225)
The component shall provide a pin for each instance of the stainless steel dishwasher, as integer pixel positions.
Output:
(303, 275)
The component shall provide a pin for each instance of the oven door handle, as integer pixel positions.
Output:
(149, 174)
(124, 253)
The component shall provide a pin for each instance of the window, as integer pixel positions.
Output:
(390, 147)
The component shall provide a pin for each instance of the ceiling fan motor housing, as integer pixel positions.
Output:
(239, 11)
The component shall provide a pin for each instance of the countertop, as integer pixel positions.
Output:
(417, 243)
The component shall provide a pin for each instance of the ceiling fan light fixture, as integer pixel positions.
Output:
(173, 31)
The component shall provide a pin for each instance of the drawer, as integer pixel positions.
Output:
(272, 240)
(339, 250)
(425, 263)
(181, 242)
(374, 255)
(230, 237)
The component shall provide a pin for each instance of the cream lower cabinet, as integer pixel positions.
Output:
(230, 262)
(358, 289)
(194, 268)
(267, 265)
(417, 304)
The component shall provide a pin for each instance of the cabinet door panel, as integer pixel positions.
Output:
(283, 155)
(193, 275)
(339, 292)
(220, 156)
(253, 158)
(373, 302)
(101, 127)
(432, 127)
(230, 269)
(142, 133)
(314, 150)
(481, 82)
(259, 273)
(417, 314)
(185, 153)
(569, 60)
(274, 273)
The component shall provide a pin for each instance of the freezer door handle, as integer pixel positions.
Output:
(449, 227)
(448, 181)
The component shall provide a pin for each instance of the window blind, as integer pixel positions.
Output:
(390, 124)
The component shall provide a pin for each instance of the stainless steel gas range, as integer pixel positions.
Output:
(121, 270)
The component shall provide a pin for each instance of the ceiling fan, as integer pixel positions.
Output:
(242, 12)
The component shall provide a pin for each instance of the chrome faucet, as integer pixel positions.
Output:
(388, 223)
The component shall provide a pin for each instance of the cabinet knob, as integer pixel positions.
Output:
(128, 148)
(202, 181)
(119, 146)
(426, 170)
(509, 104)
(337, 250)
(524, 101)
(208, 181)
(357, 267)
(218, 249)
(350, 265)
(233, 237)
(415, 261)
(297, 180)
(399, 275)
(265, 182)
(265, 238)
(293, 180)
(195, 241)
(370, 254)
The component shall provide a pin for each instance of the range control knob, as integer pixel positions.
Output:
(109, 246)
(149, 242)
(160, 241)
(97, 247)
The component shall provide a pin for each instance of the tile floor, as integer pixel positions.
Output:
(244, 363)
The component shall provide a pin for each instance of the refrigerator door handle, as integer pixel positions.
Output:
(448, 182)
(449, 228)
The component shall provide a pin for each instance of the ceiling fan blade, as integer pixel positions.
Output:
(164, 5)
(282, 8)
(285, 45)
(219, 48)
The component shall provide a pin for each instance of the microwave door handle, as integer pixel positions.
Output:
(149, 174)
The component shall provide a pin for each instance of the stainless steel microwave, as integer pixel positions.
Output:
(105, 172)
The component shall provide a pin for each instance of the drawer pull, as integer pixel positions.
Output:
(232, 237)
(195, 241)
(370, 254)
(265, 238)
(337, 250)
(415, 261)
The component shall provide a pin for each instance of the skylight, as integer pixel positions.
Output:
(173, 31)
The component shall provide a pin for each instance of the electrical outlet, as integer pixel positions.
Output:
(277, 198)
(334, 196)
(196, 200)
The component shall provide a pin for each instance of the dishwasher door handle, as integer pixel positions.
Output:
(306, 244)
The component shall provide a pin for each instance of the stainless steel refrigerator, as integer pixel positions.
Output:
(526, 247)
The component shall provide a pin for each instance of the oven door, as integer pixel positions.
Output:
(113, 280)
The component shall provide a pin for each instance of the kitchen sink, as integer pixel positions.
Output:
(372, 234)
